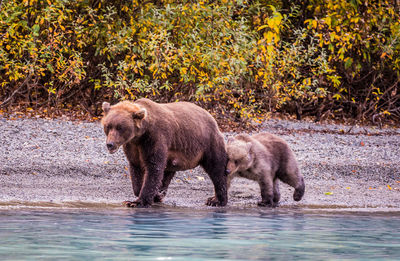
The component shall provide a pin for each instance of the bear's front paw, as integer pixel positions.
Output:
(213, 202)
(267, 204)
(135, 204)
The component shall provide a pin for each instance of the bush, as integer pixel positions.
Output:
(362, 39)
(239, 59)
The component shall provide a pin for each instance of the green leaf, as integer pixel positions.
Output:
(35, 30)
(50, 67)
(348, 62)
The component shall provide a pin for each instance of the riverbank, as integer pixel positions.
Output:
(65, 163)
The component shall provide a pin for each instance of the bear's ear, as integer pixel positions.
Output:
(139, 115)
(105, 107)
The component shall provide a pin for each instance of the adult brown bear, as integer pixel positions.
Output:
(160, 139)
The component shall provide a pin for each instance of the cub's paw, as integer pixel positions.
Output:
(135, 204)
(267, 204)
(159, 197)
(298, 194)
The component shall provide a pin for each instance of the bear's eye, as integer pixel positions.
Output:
(236, 162)
(118, 127)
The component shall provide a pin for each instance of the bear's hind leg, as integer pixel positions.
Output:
(215, 166)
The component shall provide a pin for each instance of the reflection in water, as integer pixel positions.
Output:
(204, 235)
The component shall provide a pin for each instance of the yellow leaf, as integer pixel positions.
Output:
(271, 23)
(270, 49)
(328, 193)
(262, 27)
(269, 36)
(328, 21)
(314, 24)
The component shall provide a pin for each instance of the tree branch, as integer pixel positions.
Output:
(25, 82)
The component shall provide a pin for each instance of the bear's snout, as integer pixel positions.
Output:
(111, 147)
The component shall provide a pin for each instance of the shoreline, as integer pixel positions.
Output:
(56, 163)
(6, 207)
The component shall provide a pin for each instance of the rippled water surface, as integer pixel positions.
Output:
(160, 234)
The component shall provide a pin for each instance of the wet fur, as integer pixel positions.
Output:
(169, 138)
(264, 158)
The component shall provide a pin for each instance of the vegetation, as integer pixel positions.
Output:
(239, 59)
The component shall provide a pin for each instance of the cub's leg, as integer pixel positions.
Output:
(299, 189)
(293, 178)
(168, 175)
(277, 194)
(267, 191)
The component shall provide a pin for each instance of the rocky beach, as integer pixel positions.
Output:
(61, 163)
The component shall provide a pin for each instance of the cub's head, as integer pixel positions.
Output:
(122, 122)
(239, 156)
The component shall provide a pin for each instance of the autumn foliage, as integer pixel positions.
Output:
(239, 59)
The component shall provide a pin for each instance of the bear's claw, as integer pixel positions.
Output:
(135, 204)
(213, 202)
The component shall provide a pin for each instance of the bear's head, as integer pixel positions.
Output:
(122, 122)
(239, 156)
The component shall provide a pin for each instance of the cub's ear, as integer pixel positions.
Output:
(106, 107)
(248, 147)
(139, 115)
(230, 139)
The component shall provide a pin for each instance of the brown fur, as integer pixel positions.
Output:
(160, 139)
(264, 158)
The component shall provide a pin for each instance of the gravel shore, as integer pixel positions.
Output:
(59, 163)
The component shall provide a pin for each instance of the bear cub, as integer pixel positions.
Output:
(264, 158)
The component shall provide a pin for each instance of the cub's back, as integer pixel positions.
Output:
(275, 145)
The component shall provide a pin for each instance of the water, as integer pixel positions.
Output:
(165, 234)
